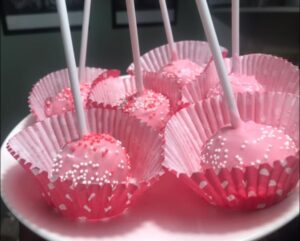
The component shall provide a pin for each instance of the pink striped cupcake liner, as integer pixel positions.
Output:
(51, 84)
(254, 187)
(274, 73)
(36, 146)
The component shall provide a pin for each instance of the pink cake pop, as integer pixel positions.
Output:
(94, 156)
(251, 144)
(183, 71)
(239, 83)
(240, 151)
(64, 101)
(150, 107)
(94, 159)
(147, 105)
(119, 92)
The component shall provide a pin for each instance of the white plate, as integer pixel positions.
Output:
(168, 212)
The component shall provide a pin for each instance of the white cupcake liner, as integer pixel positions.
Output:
(51, 84)
(248, 189)
(275, 74)
(36, 146)
(196, 51)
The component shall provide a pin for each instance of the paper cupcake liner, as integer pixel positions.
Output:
(111, 91)
(275, 74)
(167, 84)
(196, 51)
(36, 146)
(253, 187)
(51, 84)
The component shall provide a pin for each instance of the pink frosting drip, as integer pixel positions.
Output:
(64, 101)
(250, 144)
(239, 83)
(94, 159)
(184, 70)
(150, 107)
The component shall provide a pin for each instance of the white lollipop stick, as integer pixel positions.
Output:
(168, 29)
(135, 45)
(235, 38)
(84, 38)
(215, 48)
(70, 57)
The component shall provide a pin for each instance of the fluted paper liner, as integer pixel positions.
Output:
(36, 146)
(274, 73)
(152, 61)
(51, 84)
(196, 51)
(254, 187)
(112, 91)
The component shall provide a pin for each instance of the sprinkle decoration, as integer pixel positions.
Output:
(184, 71)
(64, 101)
(109, 184)
(152, 108)
(245, 170)
(253, 144)
(94, 159)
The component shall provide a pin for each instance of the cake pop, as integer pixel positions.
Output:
(94, 159)
(64, 101)
(251, 144)
(239, 83)
(182, 71)
(150, 107)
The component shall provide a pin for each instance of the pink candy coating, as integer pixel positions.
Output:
(250, 144)
(150, 107)
(64, 101)
(184, 69)
(94, 159)
(239, 83)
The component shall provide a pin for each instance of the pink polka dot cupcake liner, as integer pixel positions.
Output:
(36, 146)
(251, 187)
(168, 84)
(274, 73)
(51, 84)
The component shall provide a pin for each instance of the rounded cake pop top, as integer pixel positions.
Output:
(184, 70)
(64, 101)
(239, 83)
(94, 159)
(150, 107)
(249, 144)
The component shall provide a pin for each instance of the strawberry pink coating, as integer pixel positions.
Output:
(63, 101)
(94, 159)
(250, 144)
(150, 107)
(184, 69)
(239, 83)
